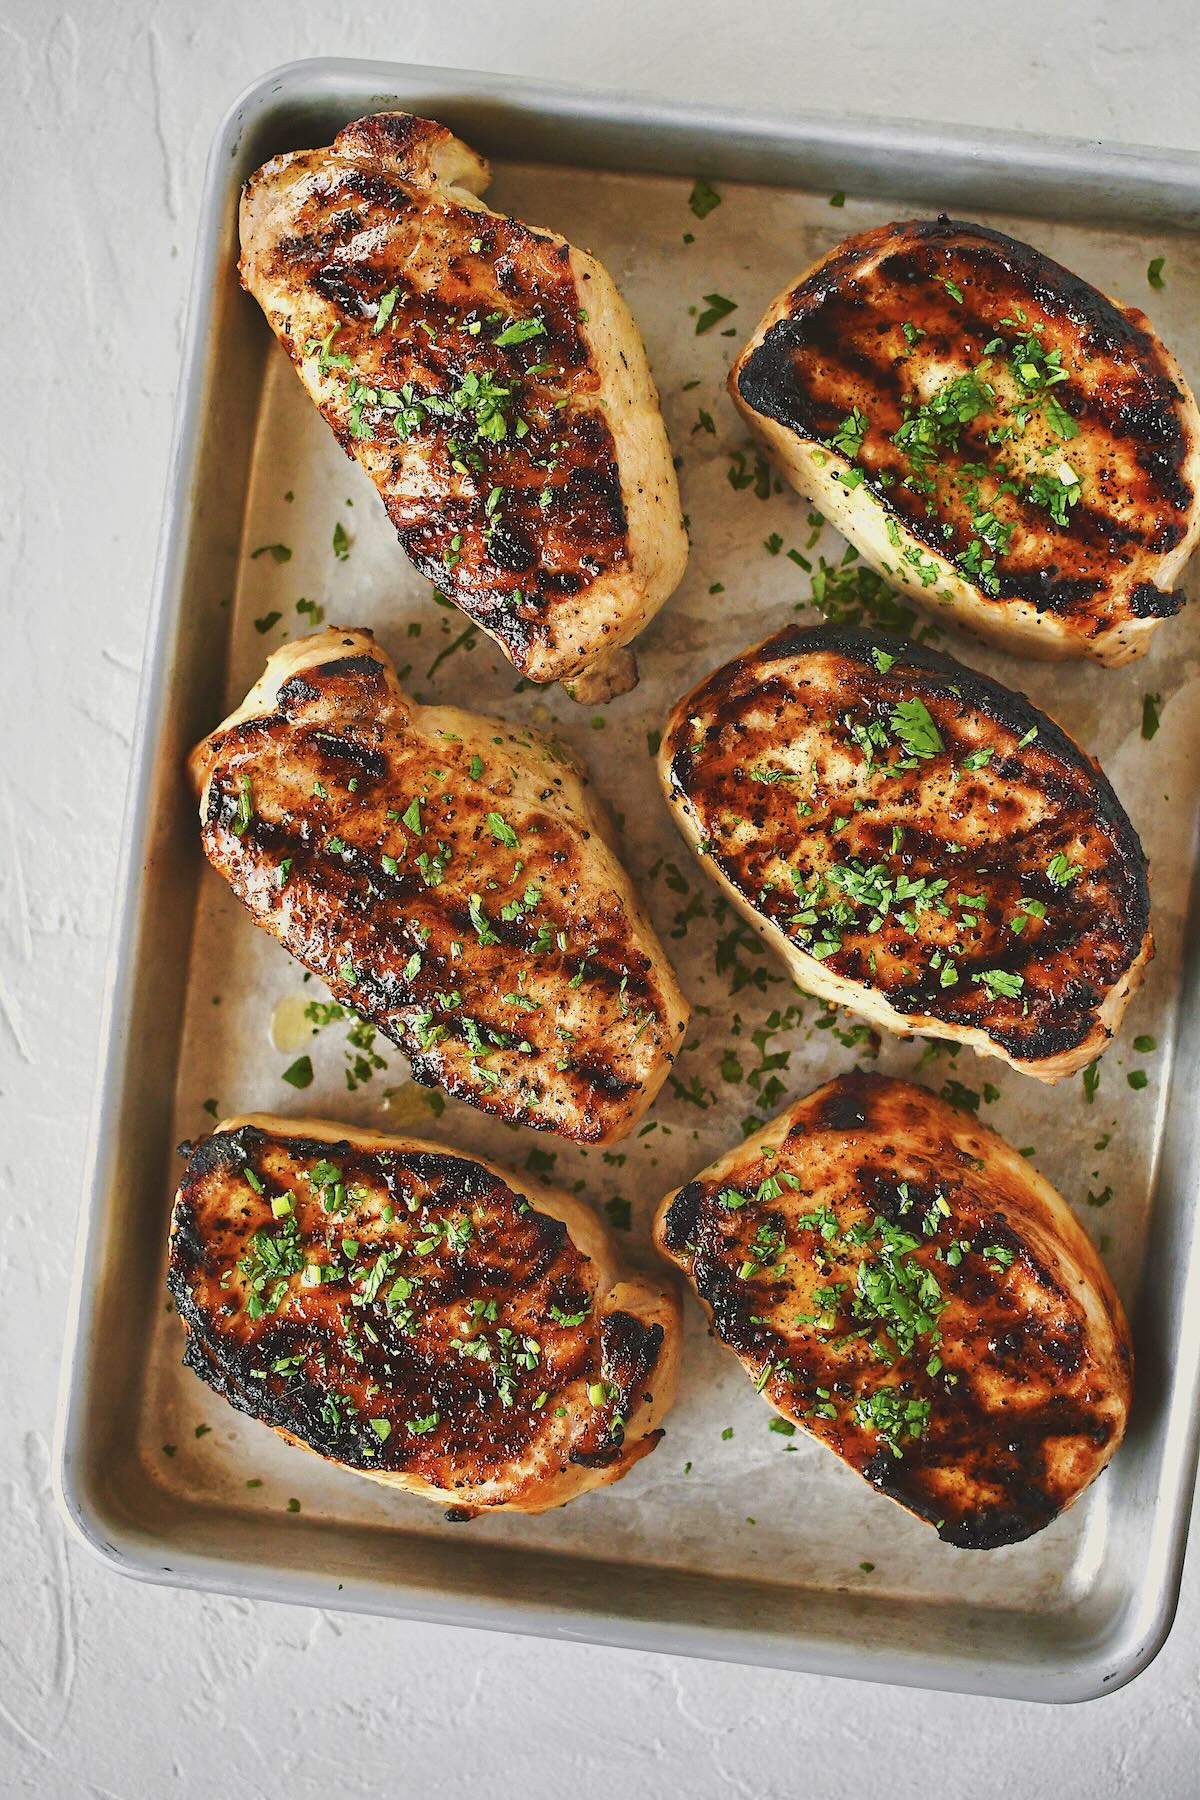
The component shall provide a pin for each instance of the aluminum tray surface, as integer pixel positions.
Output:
(730, 1541)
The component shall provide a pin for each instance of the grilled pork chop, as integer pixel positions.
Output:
(416, 1315)
(903, 1285)
(993, 434)
(488, 377)
(920, 843)
(448, 877)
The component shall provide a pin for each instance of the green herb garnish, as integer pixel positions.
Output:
(387, 306)
(245, 807)
(915, 729)
(716, 309)
(520, 332)
(703, 199)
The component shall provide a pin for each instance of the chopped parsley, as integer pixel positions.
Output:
(422, 1427)
(717, 307)
(245, 807)
(703, 199)
(1061, 871)
(520, 332)
(853, 594)
(914, 728)
(933, 426)
(1057, 492)
(848, 438)
(268, 1262)
(387, 306)
(1001, 983)
(893, 1416)
(479, 920)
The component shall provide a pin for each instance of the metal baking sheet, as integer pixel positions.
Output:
(729, 1541)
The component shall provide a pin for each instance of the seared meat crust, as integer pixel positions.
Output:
(991, 432)
(417, 1316)
(922, 844)
(489, 378)
(905, 1287)
(447, 877)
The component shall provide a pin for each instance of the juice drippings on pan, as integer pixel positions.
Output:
(409, 1104)
(290, 1030)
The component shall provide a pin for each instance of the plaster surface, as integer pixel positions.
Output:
(112, 1689)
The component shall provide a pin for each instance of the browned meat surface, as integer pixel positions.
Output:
(905, 1287)
(996, 437)
(920, 843)
(448, 878)
(488, 377)
(417, 1316)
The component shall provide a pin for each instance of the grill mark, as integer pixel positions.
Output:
(682, 1217)
(359, 669)
(334, 284)
(379, 994)
(1149, 602)
(340, 748)
(605, 962)
(768, 385)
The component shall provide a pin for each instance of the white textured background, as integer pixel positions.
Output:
(110, 1689)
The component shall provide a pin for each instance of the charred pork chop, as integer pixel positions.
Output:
(904, 1286)
(416, 1315)
(448, 877)
(920, 843)
(992, 433)
(490, 380)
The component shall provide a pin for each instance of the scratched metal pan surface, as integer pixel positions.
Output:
(730, 1541)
